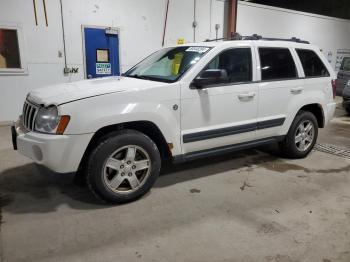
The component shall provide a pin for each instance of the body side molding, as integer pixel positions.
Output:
(227, 131)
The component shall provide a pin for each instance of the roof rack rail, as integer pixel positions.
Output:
(237, 36)
(216, 39)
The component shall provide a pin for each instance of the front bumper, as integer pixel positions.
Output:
(60, 153)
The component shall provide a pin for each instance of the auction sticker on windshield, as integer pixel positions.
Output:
(198, 49)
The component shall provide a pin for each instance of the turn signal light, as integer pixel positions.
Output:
(62, 125)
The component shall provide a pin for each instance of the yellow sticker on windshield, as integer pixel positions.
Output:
(176, 64)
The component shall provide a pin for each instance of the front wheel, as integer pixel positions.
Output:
(301, 137)
(123, 167)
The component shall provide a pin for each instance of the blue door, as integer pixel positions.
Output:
(101, 52)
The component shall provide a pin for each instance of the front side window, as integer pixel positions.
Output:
(345, 65)
(276, 64)
(237, 63)
(169, 64)
(312, 64)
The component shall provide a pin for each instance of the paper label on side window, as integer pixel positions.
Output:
(198, 49)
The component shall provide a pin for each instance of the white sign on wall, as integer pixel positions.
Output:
(103, 69)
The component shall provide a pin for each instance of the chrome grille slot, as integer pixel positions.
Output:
(29, 113)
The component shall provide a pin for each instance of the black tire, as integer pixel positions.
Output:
(106, 146)
(288, 145)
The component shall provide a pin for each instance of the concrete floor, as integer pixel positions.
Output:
(250, 206)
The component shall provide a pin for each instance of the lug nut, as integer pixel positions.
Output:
(130, 174)
(122, 174)
(133, 167)
(121, 167)
(129, 162)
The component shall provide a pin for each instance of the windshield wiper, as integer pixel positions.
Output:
(138, 76)
(151, 78)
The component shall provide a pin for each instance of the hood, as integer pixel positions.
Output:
(68, 92)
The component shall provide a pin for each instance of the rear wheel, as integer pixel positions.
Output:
(301, 136)
(123, 167)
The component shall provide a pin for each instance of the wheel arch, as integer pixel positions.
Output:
(318, 112)
(146, 127)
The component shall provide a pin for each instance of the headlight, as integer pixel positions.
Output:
(348, 84)
(48, 121)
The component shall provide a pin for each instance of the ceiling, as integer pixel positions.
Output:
(333, 8)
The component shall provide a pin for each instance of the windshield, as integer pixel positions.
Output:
(168, 64)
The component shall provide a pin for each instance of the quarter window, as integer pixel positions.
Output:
(312, 64)
(237, 62)
(276, 64)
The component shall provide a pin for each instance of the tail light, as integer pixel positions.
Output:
(334, 87)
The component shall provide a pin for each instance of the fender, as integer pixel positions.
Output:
(90, 115)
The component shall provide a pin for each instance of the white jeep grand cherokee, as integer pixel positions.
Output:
(180, 103)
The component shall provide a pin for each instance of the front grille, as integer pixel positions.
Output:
(28, 116)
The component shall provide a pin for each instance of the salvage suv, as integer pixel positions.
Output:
(180, 103)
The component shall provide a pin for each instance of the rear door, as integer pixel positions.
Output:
(101, 52)
(279, 84)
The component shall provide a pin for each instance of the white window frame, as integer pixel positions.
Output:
(24, 68)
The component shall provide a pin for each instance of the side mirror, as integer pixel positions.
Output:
(210, 77)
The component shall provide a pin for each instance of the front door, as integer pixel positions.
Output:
(222, 114)
(101, 52)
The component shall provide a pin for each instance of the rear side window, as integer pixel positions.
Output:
(345, 65)
(276, 64)
(237, 62)
(312, 64)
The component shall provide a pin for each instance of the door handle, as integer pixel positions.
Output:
(296, 90)
(246, 96)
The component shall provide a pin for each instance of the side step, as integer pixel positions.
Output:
(225, 149)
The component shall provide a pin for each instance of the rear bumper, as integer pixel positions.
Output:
(330, 109)
(60, 153)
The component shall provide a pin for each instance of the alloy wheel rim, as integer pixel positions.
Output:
(126, 169)
(304, 135)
